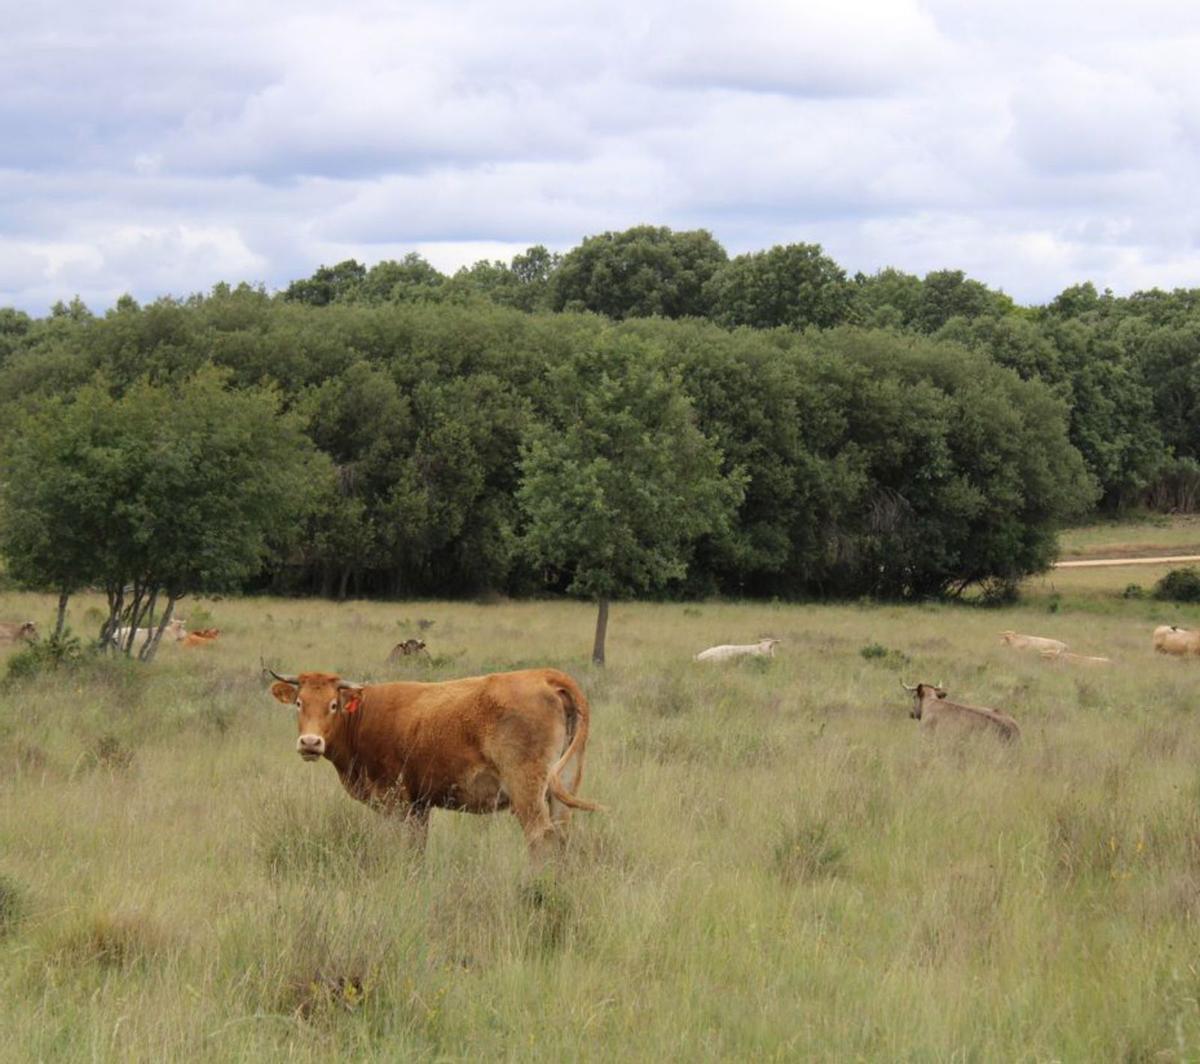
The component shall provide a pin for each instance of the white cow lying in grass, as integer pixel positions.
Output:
(1075, 659)
(1031, 642)
(764, 648)
(175, 630)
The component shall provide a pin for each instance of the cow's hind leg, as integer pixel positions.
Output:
(560, 814)
(527, 796)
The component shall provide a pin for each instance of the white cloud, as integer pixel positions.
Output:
(1071, 118)
(1032, 144)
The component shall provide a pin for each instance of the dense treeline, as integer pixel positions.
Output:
(884, 434)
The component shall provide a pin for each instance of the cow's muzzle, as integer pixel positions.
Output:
(310, 747)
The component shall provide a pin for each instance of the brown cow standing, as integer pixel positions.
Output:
(931, 707)
(478, 745)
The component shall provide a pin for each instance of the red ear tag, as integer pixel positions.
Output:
(353, 703)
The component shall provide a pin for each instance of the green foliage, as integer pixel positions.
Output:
(426, 391)
(1179, 585)
(877, 652)
(947, 294)
(642, 272)
(793, 286)
(620, 484)
(329, 284)
(167, 488)
(46, 655)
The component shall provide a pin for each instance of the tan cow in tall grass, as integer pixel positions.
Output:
(407, 649)
(176, 629)
(478, 745)
(14, 631)
(932, 708)
(1030, 642)
(1182, 642)
(764, 648)
(1075, 659)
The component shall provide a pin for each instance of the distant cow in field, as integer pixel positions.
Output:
(1171, 639)
(1074, 659)
(764, 648)
(407, 649)
(1030, 642)
(203, 638)
(175, 630)
(477, 745)
(931, 708)
(13, 632)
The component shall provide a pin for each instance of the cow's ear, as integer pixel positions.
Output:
(940, 693)
(349, 699)
(284, 692)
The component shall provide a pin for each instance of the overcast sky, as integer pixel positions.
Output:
(159, 148)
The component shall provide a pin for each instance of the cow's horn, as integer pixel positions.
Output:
(347, 685)
(906, 687)
(294, 680)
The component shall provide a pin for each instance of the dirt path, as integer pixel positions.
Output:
(1097, 562)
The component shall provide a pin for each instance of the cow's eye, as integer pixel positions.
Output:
(333, 706)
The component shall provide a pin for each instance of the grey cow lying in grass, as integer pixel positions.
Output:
(931, 708)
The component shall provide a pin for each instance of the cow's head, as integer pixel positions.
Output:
(322, 701)
(28, 631)
(920, 692)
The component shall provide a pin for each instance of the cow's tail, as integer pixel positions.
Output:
(576, 705)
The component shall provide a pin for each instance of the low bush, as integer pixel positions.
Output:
(1179, 585)
(50, 654)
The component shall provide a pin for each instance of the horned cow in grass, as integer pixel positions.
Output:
(477, 745)
(932, 708)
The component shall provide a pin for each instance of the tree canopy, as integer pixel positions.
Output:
(619, 483)
(894, 434)
(156, 493)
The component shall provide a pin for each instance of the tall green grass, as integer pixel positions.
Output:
(789, 868)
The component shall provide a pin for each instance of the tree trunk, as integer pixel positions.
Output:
(345, 583)
(116, 604)
(143, 617)
(148, 651)
(61, 620)
(601, 633)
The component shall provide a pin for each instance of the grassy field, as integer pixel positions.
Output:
(1156, 534)
(789, 869)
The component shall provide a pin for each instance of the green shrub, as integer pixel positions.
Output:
(878, 652)
(64, 649)
(999, 591)
(1179, 585)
